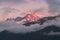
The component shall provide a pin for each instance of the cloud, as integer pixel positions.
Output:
(19, 28)
(15, 28)
(54, 6)
(48, 6)
(10, 8)
(53, 33)
(13, 1)
(8, 13)
(24, 8)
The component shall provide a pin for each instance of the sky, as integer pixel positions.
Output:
(15, 8)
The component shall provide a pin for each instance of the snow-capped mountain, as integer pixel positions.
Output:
(42, 20)
(45, 33)
(28, 18)
(31, 19)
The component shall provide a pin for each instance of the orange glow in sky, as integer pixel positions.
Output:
(33, 17)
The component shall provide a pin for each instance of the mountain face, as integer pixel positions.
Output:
(33, 19)
(28, 18)
(50, 28)
(38, 35)
(41, 21)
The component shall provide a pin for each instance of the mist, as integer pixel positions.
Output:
(17, 8)
(20, 28)
(21, 9)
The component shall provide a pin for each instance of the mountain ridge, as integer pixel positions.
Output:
(40, 35)
(31, 19)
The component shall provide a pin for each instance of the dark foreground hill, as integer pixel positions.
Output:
(38, 35)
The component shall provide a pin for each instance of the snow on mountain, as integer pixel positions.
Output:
(42, 20)
(14, 25)
(31, 19)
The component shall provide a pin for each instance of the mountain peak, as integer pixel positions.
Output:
(33, 17)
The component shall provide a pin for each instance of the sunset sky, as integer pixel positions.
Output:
(14, 8)
(20, 8)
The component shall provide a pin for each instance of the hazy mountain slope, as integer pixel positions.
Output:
(38, 35)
